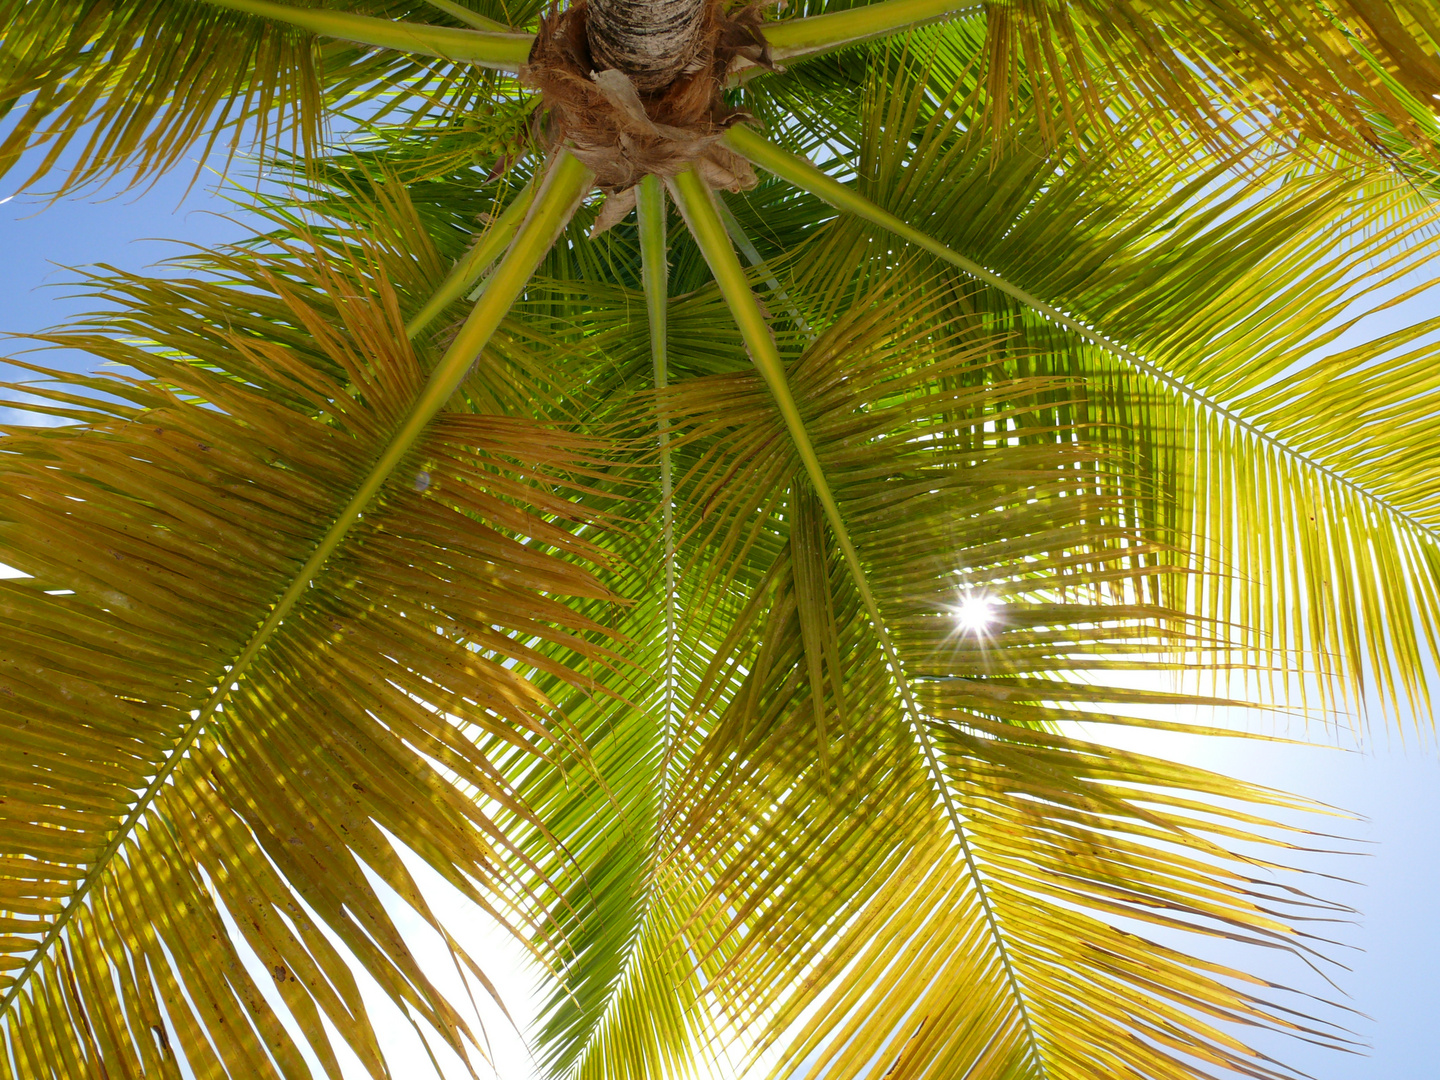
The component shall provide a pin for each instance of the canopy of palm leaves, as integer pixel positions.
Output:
(612, 571)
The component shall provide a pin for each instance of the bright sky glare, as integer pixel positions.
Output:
(974, 614)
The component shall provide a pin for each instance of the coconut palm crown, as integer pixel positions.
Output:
(704, 479)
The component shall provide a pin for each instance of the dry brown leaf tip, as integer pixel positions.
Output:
(624, 133)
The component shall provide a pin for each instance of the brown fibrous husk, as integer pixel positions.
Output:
(624, 135)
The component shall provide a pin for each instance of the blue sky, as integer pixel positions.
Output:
(1394, 788)
(1394, 953)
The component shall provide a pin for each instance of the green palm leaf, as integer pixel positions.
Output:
(776, 849)
(1194, 325)
(174, 758)
(1348, 72)
(248, 69)
(738, 657)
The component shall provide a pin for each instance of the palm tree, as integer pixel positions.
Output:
(710, 594)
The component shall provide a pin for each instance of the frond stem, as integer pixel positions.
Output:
(807, 177)
(468, 17)
(474, 262)
(566, 183)
(696, 203)
(796, 39)
(752, 255)
(655, 276)
(506, 51)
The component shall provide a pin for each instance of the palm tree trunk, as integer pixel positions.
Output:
(650, 40)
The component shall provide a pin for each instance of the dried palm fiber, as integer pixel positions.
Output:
(624, 132)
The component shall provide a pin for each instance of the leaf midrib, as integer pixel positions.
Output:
(650, 218)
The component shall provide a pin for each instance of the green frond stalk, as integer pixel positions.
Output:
(655, 279)
(797, 39)
(502, 51)
(747, 247)
(470, 18)
(476, 261)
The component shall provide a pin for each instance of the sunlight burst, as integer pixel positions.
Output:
(975, 613)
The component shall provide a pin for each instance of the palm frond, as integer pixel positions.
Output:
(1344, 72)
(216, 650)
(208, 71)
(1205, 297)
(732, 633)
(709, 913)
(958, 928)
